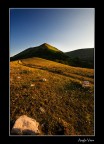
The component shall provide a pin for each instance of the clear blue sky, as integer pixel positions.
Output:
(66, 29)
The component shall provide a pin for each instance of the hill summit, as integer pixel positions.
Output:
(48, 46)
(45, 51)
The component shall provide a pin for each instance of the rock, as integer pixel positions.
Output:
(44, 79)
(42, 110)
(18, 77)
(26, 125)
(19, 62)
(85, 84)
(32, 85)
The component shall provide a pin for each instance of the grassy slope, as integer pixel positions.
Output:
(82, 57)
(68, 107)
(51, 47)
(83, 54)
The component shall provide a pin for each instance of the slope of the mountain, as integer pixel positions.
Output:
(78, 58)
(82, 57)
(54, 94)
(45, 51)
(83, 54)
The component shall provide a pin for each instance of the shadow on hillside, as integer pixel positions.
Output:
(55, 71)
(46, 69)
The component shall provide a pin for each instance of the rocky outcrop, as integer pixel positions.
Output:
(25, 125)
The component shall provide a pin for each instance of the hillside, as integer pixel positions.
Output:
(45, 51)
(78, 58)
(82, 57)
(54, 95)
(84, 54)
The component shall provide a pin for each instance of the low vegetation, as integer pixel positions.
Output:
(54, 95)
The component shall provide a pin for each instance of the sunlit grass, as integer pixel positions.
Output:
(51, 47)
(53, 94)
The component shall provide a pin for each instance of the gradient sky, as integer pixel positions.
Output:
(66, 29)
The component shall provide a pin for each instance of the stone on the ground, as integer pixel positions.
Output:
(44, 79)
(85, 84)
(32, 85)
(42, 110)
(26, 125)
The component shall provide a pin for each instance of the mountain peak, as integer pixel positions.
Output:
(45, 51)
(45, 44)
(50, 47)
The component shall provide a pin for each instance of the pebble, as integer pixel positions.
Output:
(32, 85)
(18, 77)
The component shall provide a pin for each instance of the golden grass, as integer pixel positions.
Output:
(68, 106)
(51, 47)
(74, 72)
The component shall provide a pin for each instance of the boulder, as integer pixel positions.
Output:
(25, 125)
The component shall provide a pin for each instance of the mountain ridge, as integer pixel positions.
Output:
(82, 53)
(78, 58)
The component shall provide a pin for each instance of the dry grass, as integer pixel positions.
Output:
(68, 106)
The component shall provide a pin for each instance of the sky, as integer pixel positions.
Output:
(67, 29)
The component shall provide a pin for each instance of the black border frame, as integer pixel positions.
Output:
(4, 50)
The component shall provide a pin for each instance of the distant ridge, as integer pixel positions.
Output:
(83, 54)
(82, 57)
